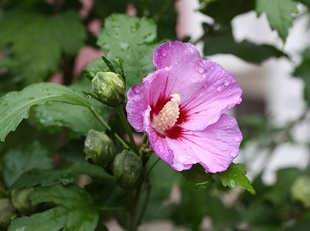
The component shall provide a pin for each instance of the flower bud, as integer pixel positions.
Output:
(20, 200)
(109, 88)
(7, 212)
(127, 170)
(99, 148)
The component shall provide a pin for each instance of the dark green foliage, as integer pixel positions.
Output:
(46, 175)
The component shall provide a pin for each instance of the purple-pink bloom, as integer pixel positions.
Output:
(182, 107)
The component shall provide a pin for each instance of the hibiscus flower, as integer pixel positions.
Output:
(182, 108)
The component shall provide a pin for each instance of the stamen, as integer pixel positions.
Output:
(168, 115)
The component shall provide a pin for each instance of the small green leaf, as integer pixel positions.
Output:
(52, 177)
(197, 177)
(21, 159)
(132, 40)
(75, 211)
(15, 106)
(279, 14)
(235, 175)
(222, 42)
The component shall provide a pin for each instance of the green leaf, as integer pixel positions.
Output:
(223, 11)
(280, 192)
(94, 66)
(37, 41)
(21, 159)
(52, 177)
(132, 40)
(236, 175)
(305, 2)
(197, 177)
(75, 211)
(222, 42)
(303, 71)
(79, 119)
(163, 13)
(14, 106)
(279, 14)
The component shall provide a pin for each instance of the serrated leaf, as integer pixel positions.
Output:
(236, 175)
(52, 177)
(14, 106)
(37, 41)
(197, 177)
(279, 14)
(222, 42)
(223, 11)
(21, 159)
(132, 40)
(75, 211)
(79, 119)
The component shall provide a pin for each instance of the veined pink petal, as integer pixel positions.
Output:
(214, 148)
(135, 107)
(218, 93)
(158, 144)
(175, 54)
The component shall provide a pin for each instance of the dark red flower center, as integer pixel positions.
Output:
(166, 115)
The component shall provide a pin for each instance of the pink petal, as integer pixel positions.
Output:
(218, 93)
(175, 54)
(135, 107)
(157, 143)
(214, 148)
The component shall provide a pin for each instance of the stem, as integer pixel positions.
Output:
(152, 166)
(95, 113)
(145, 204)
(122, 116)
(133, 213)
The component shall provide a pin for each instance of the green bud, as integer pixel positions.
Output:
(99, 148)
(20, 200)
(7, 212)
(109, 88)
(127, 170)
(300, 190)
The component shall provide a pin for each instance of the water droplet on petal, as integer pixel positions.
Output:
(237, 139)
(163, 53)
(226, 83)
(200, 70)
(219, 89)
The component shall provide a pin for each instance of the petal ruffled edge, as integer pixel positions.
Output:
(219, 92)
(175, 53)
(135, 107)
(214, 148)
